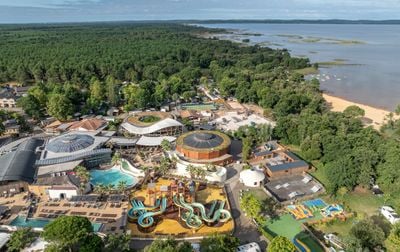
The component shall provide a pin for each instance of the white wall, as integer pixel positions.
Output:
(55, 193)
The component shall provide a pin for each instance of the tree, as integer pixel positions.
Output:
(394, 236)
(121, 186)
(354, 111)
(165, 145)
(116, 159)
(71, 233)
(246, 149)
(112, 95)
(365, 235)
(20, 239)
(251, 205)
(164, 166)
(281, 244)
(31, 106)
(117, 243)
(60, 107)
(168, 245)
(218, 242)
(84, 176)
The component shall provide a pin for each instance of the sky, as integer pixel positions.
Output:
(44, 11)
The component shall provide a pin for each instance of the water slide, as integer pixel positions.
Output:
(301, 246)
(146, 219)
(139, 209)
(194, 221)
(191, 219)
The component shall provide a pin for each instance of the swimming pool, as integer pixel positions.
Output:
(111, 176)
(20, 221)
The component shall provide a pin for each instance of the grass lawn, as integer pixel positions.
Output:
(341, 228)
(259, 194)
(287, 226)
(363, 203)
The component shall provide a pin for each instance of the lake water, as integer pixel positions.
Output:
(371, 71)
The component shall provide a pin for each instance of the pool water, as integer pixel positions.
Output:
(20, 221)
(34, 223)
(111, 177)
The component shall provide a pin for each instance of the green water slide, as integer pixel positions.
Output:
(139, 209)
(191, 220)
(220, 214)
(146, 219)
(194, 221)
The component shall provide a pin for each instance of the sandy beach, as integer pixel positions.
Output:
(375, 114)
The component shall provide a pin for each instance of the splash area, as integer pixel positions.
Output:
(290, 223)
(178, 208)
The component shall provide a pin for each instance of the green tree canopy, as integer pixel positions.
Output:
(281, 244)
(21, 239)
(365, 235)
(71, 233)
(60, 107)
(220, 243)
(168, 245)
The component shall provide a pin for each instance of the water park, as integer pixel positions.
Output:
(179, 208)
(291, 223)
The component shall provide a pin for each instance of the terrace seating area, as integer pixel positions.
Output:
(108, 210)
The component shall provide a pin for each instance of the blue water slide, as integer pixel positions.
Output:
(146, 219)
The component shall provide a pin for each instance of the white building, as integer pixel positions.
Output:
(249, 247)
(252, 177)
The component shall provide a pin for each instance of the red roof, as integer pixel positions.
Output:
(90, 124)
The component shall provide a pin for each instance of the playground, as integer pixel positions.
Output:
(179, 208)
(290, 223)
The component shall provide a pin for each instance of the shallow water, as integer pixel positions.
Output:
(373, 74)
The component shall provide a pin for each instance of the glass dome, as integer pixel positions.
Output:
(70, 143)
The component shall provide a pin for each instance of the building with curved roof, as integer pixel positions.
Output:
(152, 123)
(252, 177)
(64, 152)
(70, 143)
(17, 167)
(204, 147)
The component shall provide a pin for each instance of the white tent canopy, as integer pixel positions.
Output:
(252, 177)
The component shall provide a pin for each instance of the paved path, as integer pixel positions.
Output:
(245, 229)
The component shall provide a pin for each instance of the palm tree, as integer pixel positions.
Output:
(165, 145)
(200, 173)
(84, 176)
(192, 170)
(116, 159)
(100, 189)
(164, 166)
(121, 186)
(109, 188)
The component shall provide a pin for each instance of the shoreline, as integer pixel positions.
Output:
(338, 104)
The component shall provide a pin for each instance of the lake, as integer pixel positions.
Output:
(369, 55)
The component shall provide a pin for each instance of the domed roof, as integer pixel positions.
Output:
(203, 140)
(70, 143)
(252, 175)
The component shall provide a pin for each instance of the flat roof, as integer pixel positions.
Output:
(286, 166)
(281, 188)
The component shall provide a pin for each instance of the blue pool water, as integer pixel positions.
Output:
(33, 223)
(40, 223)
(111, 176)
